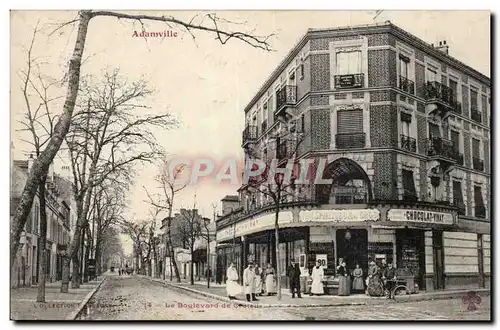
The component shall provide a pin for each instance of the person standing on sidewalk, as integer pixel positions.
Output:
(295, 281)
(318, 276)
(249, 282)
(270, 283)
(258, 280)
(232, 286)
(343, 279)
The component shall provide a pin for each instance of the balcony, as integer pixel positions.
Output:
(350, 140)
(249, 134)
(285, 97)
(406, 85)
(477, 164)
(349, 81)
(442, 96)
(408, 143)
(440, 148)
(475, 114)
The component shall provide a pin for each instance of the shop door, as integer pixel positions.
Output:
(352, 246)
(438, 256)
(410, 255)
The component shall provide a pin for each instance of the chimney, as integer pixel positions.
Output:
(442, 46)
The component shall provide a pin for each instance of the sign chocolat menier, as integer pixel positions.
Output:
(420, 216)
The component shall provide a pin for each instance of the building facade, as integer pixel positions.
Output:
(403, 131)
(27, 264)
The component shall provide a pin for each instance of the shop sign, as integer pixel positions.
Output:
(420, 216)
(340, 215)
(253, 225)
(322, 258)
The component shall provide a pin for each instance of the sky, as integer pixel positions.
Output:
(204, 84)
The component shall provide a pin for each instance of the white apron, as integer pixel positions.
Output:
(232, 286)
(270, 284)
(317, 278)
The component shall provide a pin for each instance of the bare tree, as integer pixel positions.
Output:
(61, 128)
(169, 186)
(38, 122)
(109, 137)
(275, 187)
(137, 231)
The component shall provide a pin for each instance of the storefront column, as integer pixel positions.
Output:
(480, 260)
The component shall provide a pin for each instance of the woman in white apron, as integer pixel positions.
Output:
(270, 282)
(258, 280)
(317, 279)
(232, 286)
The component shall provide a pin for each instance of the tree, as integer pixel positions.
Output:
(61, 128)
(137, 231)
(107, 137)
(169, 186)
(280, 188)
(190, 230)
(38, 122)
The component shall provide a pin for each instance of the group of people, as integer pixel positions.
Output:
(256, 282)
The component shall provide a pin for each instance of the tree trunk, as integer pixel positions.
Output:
(42, 252)
(276, 235)
(98, 254)
(173, 262)
(191, 266)
(86, 258)
(65, 274)
(41, 164)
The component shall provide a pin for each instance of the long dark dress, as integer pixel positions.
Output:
(344, 289)
(357, 283)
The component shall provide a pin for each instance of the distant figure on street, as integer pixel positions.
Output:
(295, 281)
(232, 286)
(357, 283)
(249, 282)
(318, 276)
(270, 283)
(119, 271)
(289, 274)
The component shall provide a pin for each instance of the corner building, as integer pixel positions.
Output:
(405, 132)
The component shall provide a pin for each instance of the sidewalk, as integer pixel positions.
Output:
(58, 306)
(218, 292)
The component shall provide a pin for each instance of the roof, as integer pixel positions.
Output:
(230, 198)
(386, 27)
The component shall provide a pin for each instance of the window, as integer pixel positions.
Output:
(458, 199)
(480, 210)
(302, 71)
(409, 191)
(455, 140)
(404, 66)
(431, 74)
(473, 99)
(36, 219)
(405, 123)
(434, 130)
(348, 62)
(302, 124)
(454, 87)
(475, 148)
(350, 129)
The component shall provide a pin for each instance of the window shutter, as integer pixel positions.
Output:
(410, 192)
(478, 200)
(458, 198)
(349, 121)
(406, 117)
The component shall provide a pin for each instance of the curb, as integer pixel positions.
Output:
(439, 295)
(85, 301)
(253, 305)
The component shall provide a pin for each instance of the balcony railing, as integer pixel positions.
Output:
(475, 114)
(437, 146)
(350, 140)
(408, 143)
(349, 81)
(287, 95)
(436, 90)
(477, 164)
(406, 85)
(249, 134)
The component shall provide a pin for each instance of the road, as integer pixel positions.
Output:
(137, 298)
